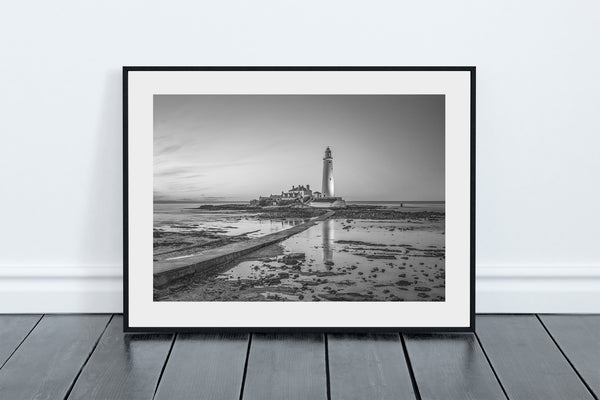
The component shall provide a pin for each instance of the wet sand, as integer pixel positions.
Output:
(400, 257)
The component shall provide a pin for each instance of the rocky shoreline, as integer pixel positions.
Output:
(406, 273)
(351, 212)
(362, 253)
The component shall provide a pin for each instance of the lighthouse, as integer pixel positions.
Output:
(327, 199)
(328, 174)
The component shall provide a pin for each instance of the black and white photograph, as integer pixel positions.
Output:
(299, 198)
(293, 197)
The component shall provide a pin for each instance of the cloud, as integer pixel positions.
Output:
(168, 149)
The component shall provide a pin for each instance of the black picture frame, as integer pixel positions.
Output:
(126, 278)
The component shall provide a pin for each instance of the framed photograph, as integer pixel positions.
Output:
(299, 198)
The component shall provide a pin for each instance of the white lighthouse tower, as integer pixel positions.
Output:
(327, 198)
(328, 174)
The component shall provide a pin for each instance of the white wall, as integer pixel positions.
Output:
(538, 127)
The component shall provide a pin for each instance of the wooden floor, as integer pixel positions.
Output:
(511, 356)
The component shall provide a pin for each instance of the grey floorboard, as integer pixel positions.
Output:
(123, 366)
(13, 329)
(47, 363)
(286, 366)
(451, 366)
(368, 366)
(207, 367)
(526, 360)
(579, 338)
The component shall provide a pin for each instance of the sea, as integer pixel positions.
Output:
(181, 216)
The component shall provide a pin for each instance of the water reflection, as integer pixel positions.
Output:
(328, 227)
(374, 261)
(290, 222)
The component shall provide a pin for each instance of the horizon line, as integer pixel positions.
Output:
(247, 201)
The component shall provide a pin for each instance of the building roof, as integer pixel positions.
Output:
(298, 188)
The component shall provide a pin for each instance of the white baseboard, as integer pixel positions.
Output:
(61, 289)
(519, 290)
(499, 289)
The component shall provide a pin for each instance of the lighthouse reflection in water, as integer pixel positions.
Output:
(328, 238)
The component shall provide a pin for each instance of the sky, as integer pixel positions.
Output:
(239, 147)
